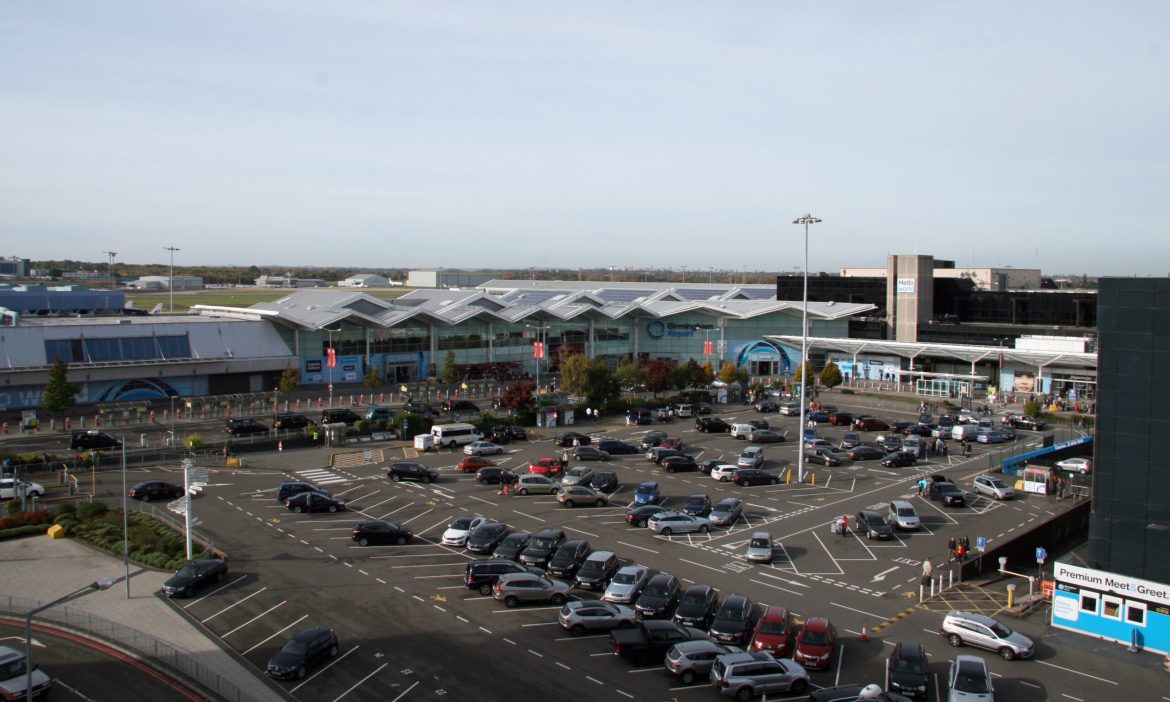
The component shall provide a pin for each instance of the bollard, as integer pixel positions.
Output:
(381, 398)
(1011, 590)
(142, 440)
(4, 428)
(52, 424)
(950, 579)
(921, 593)
(813, 476)
(788, 477)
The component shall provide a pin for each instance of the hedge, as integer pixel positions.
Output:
(26, 530)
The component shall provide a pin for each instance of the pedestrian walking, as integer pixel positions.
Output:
(627, 419)
(1060, 488)
(503, 487)
(922, 487)
(845, 525)
(927, 571)
(944, 448)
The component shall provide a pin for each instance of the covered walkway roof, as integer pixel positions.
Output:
(959, 352)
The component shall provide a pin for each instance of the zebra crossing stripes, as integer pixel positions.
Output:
(319, 476)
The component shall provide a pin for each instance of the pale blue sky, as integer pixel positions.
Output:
(634, 134)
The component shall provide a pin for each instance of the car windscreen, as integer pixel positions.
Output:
(907, 512)
(815, 638)
(656, 590)
(913, 667)
(626, 578)
(777, 628)
(759, 543)
(463, 523)
(543, 542)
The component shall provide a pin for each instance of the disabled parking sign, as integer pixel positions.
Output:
(1041, 554)
(981, 543)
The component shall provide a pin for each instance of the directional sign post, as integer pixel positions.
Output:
(1041, 555)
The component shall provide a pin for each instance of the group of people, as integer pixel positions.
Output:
(959, 547)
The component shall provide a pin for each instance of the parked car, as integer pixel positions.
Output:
(306, 649)
(698, 505)
(872, 525)
(19, 676)
(815, 644)
(314, 502)
(483, 448)
(604, 481)
(989, 436)
(697, 606)
(474, 463)
(667, 523)
(495, 475)
(500, 434)
(727, 512)
(639, 416)
(754, 476)
(745, 676)
(1023, 421)
(542, 546)
(380, 531)
(711, 425)
(626, 584)
(659, 597)
(617, 448)
(460, 529)
(657, 454)
(765, 436)
(653, 438)
(760, 547)
(195, 575)
(788, 409)
(733, 621)
(647, 493)
(573, 495)
(965, 628)
(292, 487)
(907, 670)
(817, 416)
(1084, 466)
(568, 558)
(487, 536)
(582, 616)
(692, 660)
(702, 408)
(412, 470)
(751, 457)
(244, 427)
(866, 422)
(589, 453)
(340, 416)
(640, 516)
(512, 545)
(993, 487)
(821, 455)
(679, 464)
(969, 680)
(774, 632)
(841, 419)
(596, 571)
(536, 484)
(580, 475)
(673, 442)
(286, 421)
(547, 466)
(152, 490)
(482, 575)
(899, 459)
(571, 438)
(903, 515)
(649, 640)
(765, 406)
(87, 439)
(948, 493)
(723, 472)
(864, 452)
(889, 442)
(514, 589)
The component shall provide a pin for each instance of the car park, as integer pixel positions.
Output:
(822, 455)
(314, 502)
(572, 438)
(760, 547)
(697, 606)
(993, 487)
(968, 629)
(574, 495)
(727, 512)
(903, 515)
(627, 584)
(244, 427)
(969, 680)
(195, 575)
(536, 484)
(461, 528)
(412, 470)
(568, 558)
(745, 676)
(286, 421)
(548, 466)
(692, 660)
(1084, 466)
(512, 545)
(293, 487)
(907, 670)
(495, 475)
(667, 523)
(487, 536)
(579, 475)
(815, 644)
(659, 597)
(151, 490)
(698, 505)
(580, 617)
(483, 448)
(647, 493)
(379, 531)
(774, 632)
(723, 472)
(596, 571)
(307, 648)
(474, 463)
(733, 621)
(542, 546)
(514, 589)
(617, 448)
(899, 459)
(948, 493)
(589, 453)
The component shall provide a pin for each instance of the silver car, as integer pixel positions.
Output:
(968, 680)
(692, 660)
(536, 484)
(583, 616)
(747, 675)
(980, 631)
(516, 588)
(667, 523)
(577, 476)
(727, 512)
(627, 584)
(759, 548)
(993, 487)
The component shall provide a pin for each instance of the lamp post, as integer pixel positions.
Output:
(543, 353)
(171, 279)
(125, 522)
(330, 365)
(103, 584)
(806, 220)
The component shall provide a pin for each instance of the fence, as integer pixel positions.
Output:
(147, 647)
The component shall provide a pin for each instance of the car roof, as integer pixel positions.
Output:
(816, 624)
(775, 613)
(901, 504)
(601, 556)
(648, 485)
(310, 633)
(869, 513)
(633, 568)
(761, 535)
(663, 576)
(728, 502)
(910, 649)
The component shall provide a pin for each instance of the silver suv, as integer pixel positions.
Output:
(961, 628)
(692, 660)
(747, 675)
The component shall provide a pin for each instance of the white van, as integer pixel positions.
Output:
(741, 431)
(964, 431)
(684, 410)
(452, 435)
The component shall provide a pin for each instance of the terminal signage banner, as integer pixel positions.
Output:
(1112, 583)
(906, 285)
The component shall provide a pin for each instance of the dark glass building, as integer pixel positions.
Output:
(1129, 532)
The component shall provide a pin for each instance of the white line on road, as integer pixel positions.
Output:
(233, 605)
(702, 565)
(641, 548)
(270, 609)
(595, 536)
(1070, 670)
(860, 611)
(278, 633)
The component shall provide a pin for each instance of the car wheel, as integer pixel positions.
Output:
(723, 478)
(745, 694)
(510, 602)
(1007, 654)
(670, 469)
(363, 541)
(301, 672)
(482, 481)
(569, 504)
(688, 677)
(298, 509)
(703, 528)
(666, 531)
(220, 576)
(774, 481)
(428, 479)
(798, 686)
(395, 477)
(955, 640)
(577, 630)
(485, 590)
(522, 491)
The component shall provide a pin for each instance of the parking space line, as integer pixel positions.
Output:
(363, 680)
(278, 633)
(840, 570)
(595, 536)
(221, 587)
(270, 609)
(703, 565)
(1070, 670)
(234, 604)
(332, 663)
(777, 587)
(641, 548)
(882, 617)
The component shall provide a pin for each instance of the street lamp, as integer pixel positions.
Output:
(330, 365)
(103, 584)
(806, 220)
(543, 352)
(171, 281)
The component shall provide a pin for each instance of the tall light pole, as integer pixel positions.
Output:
(327, 363)
(103, 584)
(113, 280)
(806, 220)
(171, 281)
(125, 522)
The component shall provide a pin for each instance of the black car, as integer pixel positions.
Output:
(906, 670)
(767, 406)
(307, 648)
(568, 558)
(155, 490)
(494, 475)
(659, 597)
(706, 466)
(617, 448)
(701, 408)
(244, 427)
(899, 459)
(542, 546)
(460, 406)
(410, 470)
(697, 606)
(872, 525)
(419, 408)
(891, 443)
(482, 575)
(754, 476)
(93, 439)
(294, 487)
(590, 453)
(948, 493)
(380, 531)
(568, 437)
(758, 424)
(639, 516)
(290, 420)
(313, 502)
(195, 575)
(340, 416)
(679, 464)
(712, 425)
(653, 438)
(487, 537)
(734, 621)
(500, 434)
(512, 545)
(864, 452)
(605, 481)
(698, 505)
(519, 433)
(659, 454)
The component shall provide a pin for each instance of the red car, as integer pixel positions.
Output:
(815, 644)
(548, 467)
(866, 423)
(672, 442)
(841, 419)
(473, 463)
(774, 633)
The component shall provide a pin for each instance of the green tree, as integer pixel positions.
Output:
(728, 373)
(1034, 408)
(575, 375)
(450, 371)
(831, 375)
(798, 374)
(631, 374)
(708, 373)
(695, 373)
(290, 380)
(373, 379)
(680, 376)
(591, 379)
(60, 394)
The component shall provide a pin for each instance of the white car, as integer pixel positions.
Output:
(627, 584)
(969, 680)
(9, 489)
(1084, 466)
(993, 487)
(723, 472)
(482, 448)
(458, 531)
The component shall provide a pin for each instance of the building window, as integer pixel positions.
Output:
(1111, 607)
(1135, 613)
(1089, 602)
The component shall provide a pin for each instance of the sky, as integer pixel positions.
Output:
(647, 134)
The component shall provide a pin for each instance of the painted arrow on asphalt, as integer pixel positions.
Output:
(882, 575)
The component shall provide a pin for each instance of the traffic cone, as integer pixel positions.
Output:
(864, 632)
